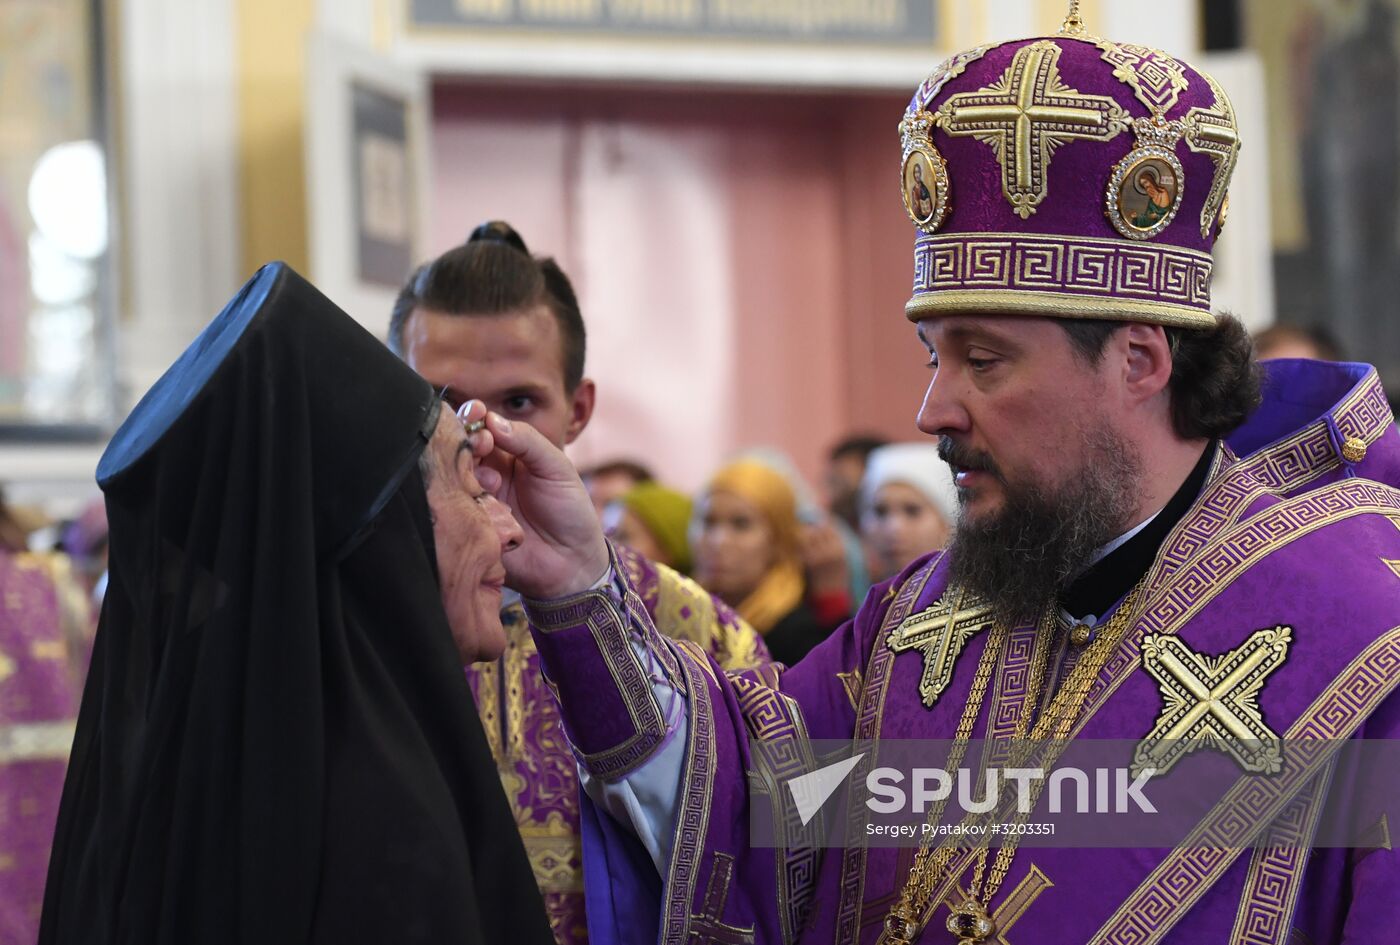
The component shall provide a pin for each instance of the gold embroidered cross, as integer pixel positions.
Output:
(707, 928)
(1025, 116)
(941, 632)
(1213, 131)
(1212, 700)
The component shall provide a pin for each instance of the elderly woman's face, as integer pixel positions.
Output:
(471, 530)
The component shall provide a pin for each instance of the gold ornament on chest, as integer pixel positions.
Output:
(941, 633)
(1212, 700)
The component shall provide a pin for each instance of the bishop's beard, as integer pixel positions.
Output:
(1019, 558)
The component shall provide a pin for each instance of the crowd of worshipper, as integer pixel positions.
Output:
(756, 537)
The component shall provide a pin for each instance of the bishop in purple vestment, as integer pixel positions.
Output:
(1157, 545)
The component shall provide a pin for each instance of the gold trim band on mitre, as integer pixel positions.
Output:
(1063, 275)
(1054, 305)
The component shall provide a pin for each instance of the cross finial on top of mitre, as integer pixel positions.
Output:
(1074, 23)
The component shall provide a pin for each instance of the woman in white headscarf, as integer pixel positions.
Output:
(908, 505)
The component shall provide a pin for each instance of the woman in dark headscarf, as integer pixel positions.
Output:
(276, 743)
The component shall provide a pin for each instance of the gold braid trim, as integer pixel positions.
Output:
(1275, 876)
(1055, 305)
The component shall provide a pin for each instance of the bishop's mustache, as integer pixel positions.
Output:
(965, 457)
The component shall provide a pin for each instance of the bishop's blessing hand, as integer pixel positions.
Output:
(563, 551)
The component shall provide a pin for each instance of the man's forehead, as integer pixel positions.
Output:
(1007, 328)
(523, 346)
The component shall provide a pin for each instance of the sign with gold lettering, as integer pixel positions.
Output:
(888, 23)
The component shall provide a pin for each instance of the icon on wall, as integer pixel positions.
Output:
(384, 187)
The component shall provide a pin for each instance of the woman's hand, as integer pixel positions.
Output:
(563, 552)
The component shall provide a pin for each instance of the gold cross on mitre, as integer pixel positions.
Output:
(1213, 131)
(1212, 700)
(940, 633)
(1026, 115)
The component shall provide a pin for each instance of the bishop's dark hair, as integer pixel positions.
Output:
(490, 274)
(1215, 382)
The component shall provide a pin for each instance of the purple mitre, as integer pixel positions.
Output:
(1067, 175)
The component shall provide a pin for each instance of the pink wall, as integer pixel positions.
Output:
(742, 258)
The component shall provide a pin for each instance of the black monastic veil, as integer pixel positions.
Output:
(277, 743)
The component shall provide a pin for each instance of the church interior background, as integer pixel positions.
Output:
(154, 152)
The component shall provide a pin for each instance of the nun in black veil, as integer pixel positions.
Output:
(276, 742)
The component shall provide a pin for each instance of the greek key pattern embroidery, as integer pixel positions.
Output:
(1229, 555)
(1365, 414)
(1224, 498)
(1062, 264)
(1275, 875)
(1012, 682)
(774, 721)
(946, 71)
(693, 820)
(867, 731)
(606, 625)
(770, 716)
(1192, 868)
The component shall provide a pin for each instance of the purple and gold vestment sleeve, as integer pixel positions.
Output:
(613, 675)
(599, 652)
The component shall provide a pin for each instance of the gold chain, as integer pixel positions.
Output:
(1055, 725)
(906, 919)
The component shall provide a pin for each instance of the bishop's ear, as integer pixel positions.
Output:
(1148, 359)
